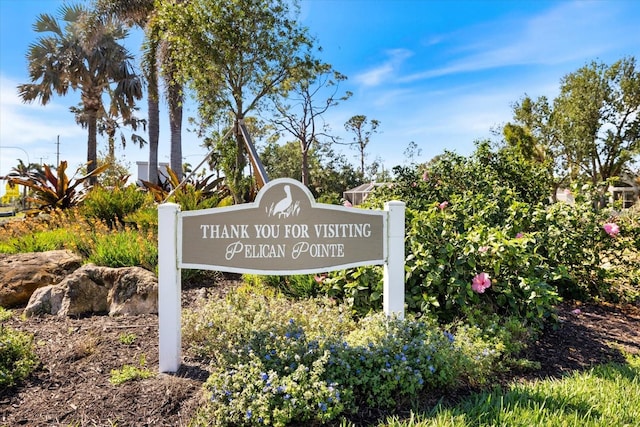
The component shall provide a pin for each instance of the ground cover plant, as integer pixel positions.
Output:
(17, 358)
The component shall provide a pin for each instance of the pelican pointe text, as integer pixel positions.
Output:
(283, 231)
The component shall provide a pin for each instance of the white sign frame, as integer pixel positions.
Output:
(170, 263)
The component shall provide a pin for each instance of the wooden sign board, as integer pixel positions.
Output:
(283, 232)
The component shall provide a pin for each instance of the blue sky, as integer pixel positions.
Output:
(439, 73)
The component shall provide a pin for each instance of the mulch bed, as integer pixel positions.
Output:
(71, 385)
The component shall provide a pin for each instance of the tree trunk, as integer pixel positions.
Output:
(240, 163)
(175, 124)
(92, 143)
(305, 167)
(154, 132)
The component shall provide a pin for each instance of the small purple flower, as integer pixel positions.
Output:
(449, 336)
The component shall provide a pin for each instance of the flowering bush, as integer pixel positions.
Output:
(274, 385)
(279, 361)
(497, 220)
(593, 253)
(387, 360)
(450, 272)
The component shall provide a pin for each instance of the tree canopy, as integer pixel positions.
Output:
(81, 51)
(591, 130)
(235, 55)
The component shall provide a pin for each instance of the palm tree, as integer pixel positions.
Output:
(83, 55)
(138, 13)
(156, 62)
(174, 99)
(23, 170)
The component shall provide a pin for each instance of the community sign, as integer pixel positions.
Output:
(283, 232)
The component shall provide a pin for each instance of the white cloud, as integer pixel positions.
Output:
(386, 70)
(568, 32)
(34, 129)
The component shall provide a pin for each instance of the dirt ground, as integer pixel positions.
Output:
(71, 386)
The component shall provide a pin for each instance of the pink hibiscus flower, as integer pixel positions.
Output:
(481, 282)
(611, 228)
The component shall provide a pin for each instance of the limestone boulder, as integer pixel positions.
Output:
(97, 289)
(22, 274)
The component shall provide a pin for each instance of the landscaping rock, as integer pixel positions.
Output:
(96, 289)
(22, 274)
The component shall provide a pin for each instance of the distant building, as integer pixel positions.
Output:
(143, 172)
(357, 195)
(627, 190)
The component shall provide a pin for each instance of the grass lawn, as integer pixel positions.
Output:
(607, 395)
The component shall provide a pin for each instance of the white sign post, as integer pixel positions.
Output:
(283, 232)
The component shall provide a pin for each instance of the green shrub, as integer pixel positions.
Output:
(466, 218)
(144, 219)
(293, 286)
(244, 316)
(587, 262)
(359, 288)
(17, 358)
(387, 360)
(487, 217)
(112, 205)
(130, 373)
(279, 361)
(125, 248)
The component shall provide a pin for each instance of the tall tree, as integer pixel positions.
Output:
(534, 137)
(84, 54)
(234, 54)
(591, 130)
(362, 129)
(23, 170)
(170, 74)
(330, 173)
(109, 121)
(598, 115)
(138, 13)
(301, 110)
